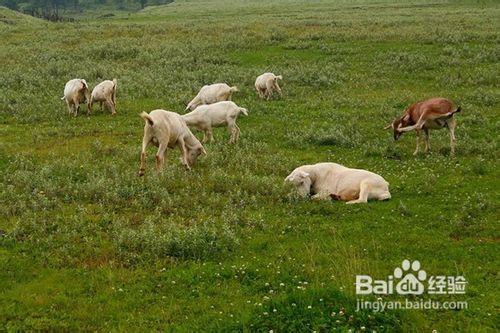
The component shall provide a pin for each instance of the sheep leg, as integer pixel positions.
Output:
(268, 93)
(160, 156)
(237, 132)
(233, 129)
(184, 153)
(278, 89)
(89, 106)
(322, 195)
(262, 93)
(113, 99)
(70, 107)
(210, 135)
(77, 107)
(269, 89)
(145, 143)
(258, 91)
(364, 192)
(142, 167)
(111, 106)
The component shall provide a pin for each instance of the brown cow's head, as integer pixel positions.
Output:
(397, 124)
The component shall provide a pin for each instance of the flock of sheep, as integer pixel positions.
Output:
(212, 107)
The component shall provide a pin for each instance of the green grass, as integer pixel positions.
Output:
(86, 244)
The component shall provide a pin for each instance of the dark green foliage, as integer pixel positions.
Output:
(57, 9)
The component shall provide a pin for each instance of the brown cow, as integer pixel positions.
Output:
(434, 113)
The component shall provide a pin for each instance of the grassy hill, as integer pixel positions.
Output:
(85, 244)
(12, 18)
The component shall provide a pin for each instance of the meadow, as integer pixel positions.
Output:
(86, 244)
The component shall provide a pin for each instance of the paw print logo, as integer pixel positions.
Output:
(411, 278)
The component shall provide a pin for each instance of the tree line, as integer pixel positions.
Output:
(57, 9)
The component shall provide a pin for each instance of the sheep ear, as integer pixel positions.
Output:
(304, 174)
(203, 151)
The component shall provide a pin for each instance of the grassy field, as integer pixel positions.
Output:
(86, 244)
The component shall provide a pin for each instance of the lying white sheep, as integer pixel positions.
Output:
(104, 92)
(266, 84)
(167, 129)
(213, 93)
(75, 93)
(205, 117)
(334, 181)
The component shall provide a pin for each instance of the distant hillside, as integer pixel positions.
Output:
(11, 17)
(56, 10)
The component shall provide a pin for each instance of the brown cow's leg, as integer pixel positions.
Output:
(426, 138)
(417, 132)
(451, 128)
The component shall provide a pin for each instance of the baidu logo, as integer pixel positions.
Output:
(410, 279)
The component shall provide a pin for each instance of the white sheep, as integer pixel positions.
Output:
(205, 117)
(75, 93)
(334, 181)
(167, 129)
(104, 92)
(267, 83)
(213, 93)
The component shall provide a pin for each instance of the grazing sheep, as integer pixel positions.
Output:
(205, 117)
(104, 92)
(334, 181)
(434, 113)
(167, 129)
(267, 84)
(213, 93)
(75, 93)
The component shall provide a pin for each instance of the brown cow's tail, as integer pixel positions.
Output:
(147, 118)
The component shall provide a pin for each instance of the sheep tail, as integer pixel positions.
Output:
(234, 89)
(147, 118)
(279, 77)
(245, 111)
